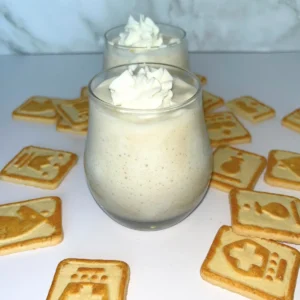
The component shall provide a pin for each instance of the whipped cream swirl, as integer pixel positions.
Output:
(142, 88)
(141, 34)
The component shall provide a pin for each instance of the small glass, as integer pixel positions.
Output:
(175, 54)
(147, 169)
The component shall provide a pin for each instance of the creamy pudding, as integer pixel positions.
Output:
(145, 41)
(148, 156)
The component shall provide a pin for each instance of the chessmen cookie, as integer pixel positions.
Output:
(83, 279)
(203, 79)
(251, 109)
(36, 109)
(84, 93)
(283, 169)
(211, 101)
(30, 224)
(75, 112)
(292, 120)
(236, 168)
(255, 268)
(265, 215)
(40, 167)
(224, 128)
(63, 126)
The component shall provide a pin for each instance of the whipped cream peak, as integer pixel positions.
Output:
(142, 88)
(140, 34)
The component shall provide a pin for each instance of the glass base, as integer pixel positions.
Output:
(149, 226)
(146, 226)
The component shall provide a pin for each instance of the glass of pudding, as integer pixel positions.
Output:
(148, 159)
(145, 41)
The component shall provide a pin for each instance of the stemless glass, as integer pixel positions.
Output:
(147, 169)
(175, 54)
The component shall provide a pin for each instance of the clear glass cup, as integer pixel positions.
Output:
(173, 54)
(147, 169)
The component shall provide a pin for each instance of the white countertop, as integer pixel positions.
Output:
(165, 264)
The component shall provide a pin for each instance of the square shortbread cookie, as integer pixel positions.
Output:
(224, 128)
(236, 168)
(265, 215)
(76, 113)
(84, 93)
(84, 279)
(63, 126)
(283, 169)
(40, 167)
(202, 79)
(252, 267)
(36, 109)
(292, 120)
(251, 109)
(30, 224)
(211, 101)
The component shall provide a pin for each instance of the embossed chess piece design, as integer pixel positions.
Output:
(87, 283)
(224, 128)
(283, 169)
(30, 224)
(297, 115)
(249, 258)
(233, 165)
(251, 109)
(292, 120)
(211, 101)
(232, 168)
(246, 107)
(255, 268)
(83, 108)
(83, 279)
(292, 163)
(40, 167)
(273, 209)
(36, 106)
(265, 215)
(276, 211)
(26, 220)
(37, 163)
(221, 124)
(75, 113)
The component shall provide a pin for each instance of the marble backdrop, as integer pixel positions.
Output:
(74, 26)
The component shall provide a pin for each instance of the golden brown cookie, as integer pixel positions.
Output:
(84, 93)
(251, 109)
(283, 169)
(64, 126)
(236, 168)
(36, 109)
(76, 113)
(211, 101)
(224, 128)
(83, 279)
(30, 225)
(40, 167)
(265, 215)
(203, 79)
(292, 120)
(252, 267)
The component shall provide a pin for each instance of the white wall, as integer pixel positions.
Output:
(64, 26)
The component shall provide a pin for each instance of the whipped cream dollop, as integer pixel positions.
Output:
(142, 88)
(141, 34)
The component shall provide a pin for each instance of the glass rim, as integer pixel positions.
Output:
(145, 111)
(154, 47)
